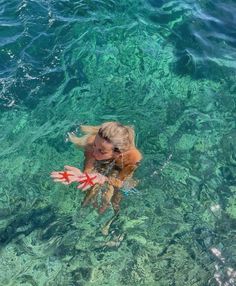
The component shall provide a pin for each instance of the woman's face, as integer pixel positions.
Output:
(103, 150)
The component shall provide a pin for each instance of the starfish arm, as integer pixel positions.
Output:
(88, 180)
(82, 186)
(82, 181)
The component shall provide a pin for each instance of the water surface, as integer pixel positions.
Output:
(168, 69)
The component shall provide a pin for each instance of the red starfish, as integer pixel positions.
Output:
(65, 175)
(87, 181)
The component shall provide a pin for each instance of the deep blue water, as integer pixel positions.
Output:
(165, 67)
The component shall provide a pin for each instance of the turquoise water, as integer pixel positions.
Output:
(166, 67)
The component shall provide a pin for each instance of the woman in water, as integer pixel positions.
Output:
(110, 161)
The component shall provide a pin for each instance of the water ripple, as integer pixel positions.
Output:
(36, 37)
(167, 67)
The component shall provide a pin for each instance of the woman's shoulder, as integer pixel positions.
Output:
(132, 157)
(89, 145)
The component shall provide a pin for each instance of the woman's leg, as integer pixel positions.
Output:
(116, 199)
(106, 198)
(91, 195)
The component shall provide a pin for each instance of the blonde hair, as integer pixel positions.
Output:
(121, 136)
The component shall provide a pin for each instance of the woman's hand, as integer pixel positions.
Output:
(88, 180)
(72, 174)
(68, 176)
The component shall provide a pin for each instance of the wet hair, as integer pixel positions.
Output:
(121, 136)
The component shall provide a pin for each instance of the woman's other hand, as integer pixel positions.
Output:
(88, 180)
(68, 176)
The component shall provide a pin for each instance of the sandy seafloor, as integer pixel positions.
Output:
(168, 69)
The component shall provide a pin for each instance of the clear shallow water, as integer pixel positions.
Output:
(168, 68)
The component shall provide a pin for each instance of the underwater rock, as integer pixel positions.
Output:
(174, 110)
(134, 222)
(231, 208)
(156, 3)
(228, 174)
(228, 147)
(26, 223)
(5, 212)
(138, 238)
(186, 142)
(27, 280)
(81, 275)
(115, 242)
(185, 63)
(177, 173)
(135, 245)
(57, 227)
(71, 84)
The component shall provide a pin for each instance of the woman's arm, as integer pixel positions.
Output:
(89, 160)
(131, 159)
(125, 173)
